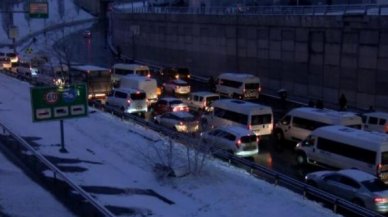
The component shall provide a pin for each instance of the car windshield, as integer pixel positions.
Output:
(261, 119)
(211, 99)
(143, 72)
(11, 55)
(375, 185)
(187, 118)
(175, 102)
(252, 86)
(248, 139)
(138, 96)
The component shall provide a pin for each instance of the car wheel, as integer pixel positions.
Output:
(301, 158)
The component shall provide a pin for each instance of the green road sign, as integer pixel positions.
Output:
(54, 103)
(38, 9)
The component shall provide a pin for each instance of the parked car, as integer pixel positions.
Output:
(181, 121)
(178, 86)
(354, 185)
(168, 104)
(234, 139)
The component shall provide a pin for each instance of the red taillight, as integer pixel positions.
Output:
(259, 89)
(378, 169)
(181, 123)
(238, 143)
(129, 101)
(257, 140)
(244, 90)
(386, 128)
(380, 200)
(249, 127)
(148, 76)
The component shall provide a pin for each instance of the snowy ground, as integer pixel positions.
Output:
(17, 190)
(120, 155)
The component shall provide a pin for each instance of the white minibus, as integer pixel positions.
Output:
(148, 85)
(256, 117)
(238, 85)
(127, 100)
(344, 147)
(298, 123)
(123, 69)
(375, 121)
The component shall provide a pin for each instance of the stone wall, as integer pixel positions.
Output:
(317, 57)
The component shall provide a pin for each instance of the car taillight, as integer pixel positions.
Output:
(149, 76)
(259, 89)
(238, 143)
(386, 128)
(257, 140)
(244, 90)
(181, 123)
(175, 109)
(249, 127)
(380, 200)
(378, 169)
(129, 101)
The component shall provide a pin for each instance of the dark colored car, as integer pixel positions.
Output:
(168, 104)
(170, 73)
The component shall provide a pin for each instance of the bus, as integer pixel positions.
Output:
(123, 69)
(98, 80)
(238, 85)
(255, 117)
(298, 123)
(345, 147)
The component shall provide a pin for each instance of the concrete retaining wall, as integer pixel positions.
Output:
(316, 57)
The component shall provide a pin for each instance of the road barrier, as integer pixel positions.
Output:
(281, 10)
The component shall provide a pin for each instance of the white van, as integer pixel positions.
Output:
(298, 123)
(202, 100)
(255, 117)
(344, 147)
(123, 69)
(127, 100)
(375, 121)
(148, 85)
(238, 85)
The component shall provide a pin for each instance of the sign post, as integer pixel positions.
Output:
(54, 103)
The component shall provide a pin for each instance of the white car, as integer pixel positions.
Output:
(233, 139)
(180, 121)
(354, 185)
(177, 87)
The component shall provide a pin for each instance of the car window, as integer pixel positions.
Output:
(248, 139)
(174, 102)
(215, 132)
(372, 120)
(229, 136)
(121, 95)
(286, 120)
(375, 185)
(382, 121)
(162, 102)
(349, 182)
(332, 177)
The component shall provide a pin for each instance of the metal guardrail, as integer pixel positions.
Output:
(311, 10)
(25, 148)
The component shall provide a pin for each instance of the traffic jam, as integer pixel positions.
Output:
(345, 153)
